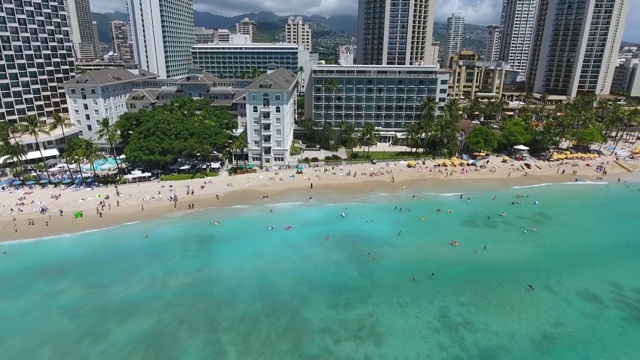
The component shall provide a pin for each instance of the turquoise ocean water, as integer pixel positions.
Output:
(194, 290)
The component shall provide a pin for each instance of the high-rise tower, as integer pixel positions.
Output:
(395, 32)
(83, 32)
(518, 20)
(575, 46)
(492, 43)
(121, 34)
(33, 68)
(162, 34)
(455, 28)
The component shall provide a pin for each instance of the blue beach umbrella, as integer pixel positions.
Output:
(30, 182)
(78, 181)
(17, 182)
(90, 180)
(44, 181)
(55, 181)
(67, 181)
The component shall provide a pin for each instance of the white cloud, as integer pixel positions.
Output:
(479, 12)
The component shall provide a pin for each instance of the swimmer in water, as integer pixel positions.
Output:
(531, 287)
(414, 278)
(534, 228)
(503, 213)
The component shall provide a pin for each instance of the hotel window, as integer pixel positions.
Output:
(278, 121)
(93, 91)
(96, 112)
(277, 109)
(74, 101)
(278, 132)
(77, 112)
(95, 102)
(255, 109)
(255, 132)
(255, 121)
(278, 143)
(277, 97)
(73, 91)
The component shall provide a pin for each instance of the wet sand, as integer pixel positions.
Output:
(250, 189)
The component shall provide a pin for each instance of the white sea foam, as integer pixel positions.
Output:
(287, 204)
(562, 183)
(62, 236)
(240, 206)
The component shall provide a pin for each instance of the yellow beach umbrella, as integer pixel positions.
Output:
(463, 162)
(561, 156)
(438, 162)
(506, 158)
(446, 162)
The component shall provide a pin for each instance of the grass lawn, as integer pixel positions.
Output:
(186, 176)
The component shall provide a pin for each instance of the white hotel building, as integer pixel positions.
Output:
(98, 94)
(271, 109)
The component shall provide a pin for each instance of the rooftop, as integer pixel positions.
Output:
(248, 46)
(109, 76)
(280, 79)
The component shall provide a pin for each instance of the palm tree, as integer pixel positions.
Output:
(61, 122)
(369, 135)
(255, 73)
(34, 127)
(15, 154)
(330, 86)
(74, 153)
(108, 132)
(91, 153)
(239, 144)
(348, 137)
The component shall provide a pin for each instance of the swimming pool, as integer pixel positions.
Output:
(102, 164)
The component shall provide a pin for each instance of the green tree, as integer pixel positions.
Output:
(482, 138)
(309, 131)
(514, 132)
(61, 122)
(239, 145)
(327, 134)
(348, 137)
(74, 153)
(414, 136)
(183, 127)
(91, 153)
(255, 73)
(588, 136)
(106, 131)
(14, 154)
(369, 135)
(331, 87)
(34, 127)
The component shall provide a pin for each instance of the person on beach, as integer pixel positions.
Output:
(531, 287)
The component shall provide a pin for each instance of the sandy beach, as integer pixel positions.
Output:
(102, 207)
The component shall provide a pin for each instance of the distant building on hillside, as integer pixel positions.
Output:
(297, 32)
(248, 27)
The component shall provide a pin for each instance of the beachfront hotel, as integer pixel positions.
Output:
(388, 96)
(122, 42)
(297, 32)
(98, 94)
(162, 34)
(36, 56)
(395, 32)
(271, 108)
(575, 46)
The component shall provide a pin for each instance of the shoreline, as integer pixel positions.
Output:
(148, 201)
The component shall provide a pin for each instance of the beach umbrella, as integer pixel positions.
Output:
(300, 167)
(67, 181)
(17, 182)
(30, 182)
(250, 166)
(45, 181)
(90, 180)
(55, 181)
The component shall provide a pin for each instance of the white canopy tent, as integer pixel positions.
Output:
(521, 147)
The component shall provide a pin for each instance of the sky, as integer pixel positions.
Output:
(479, 12)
